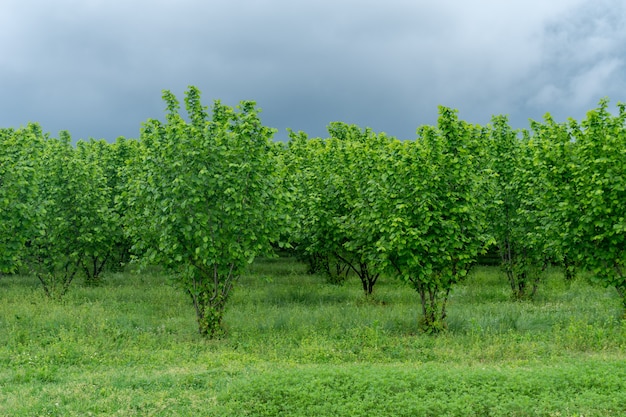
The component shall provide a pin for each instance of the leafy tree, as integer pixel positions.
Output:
(71, 207)
(19, 151)
(430, 217)
(363, 151)
(598, 235)
(512, 216)
(548, 169)
(306, 179)
(202, 196)
(122, 152)
(329, 174)
(108, 234)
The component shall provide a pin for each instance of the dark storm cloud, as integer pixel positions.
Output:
(97, 68)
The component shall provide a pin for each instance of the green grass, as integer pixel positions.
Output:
(298, 346)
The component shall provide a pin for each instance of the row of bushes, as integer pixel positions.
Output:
(204, 195)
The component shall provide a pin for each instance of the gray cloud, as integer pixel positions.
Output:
(582, 60)
(97, 68)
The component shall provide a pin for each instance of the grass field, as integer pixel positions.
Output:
(296, 346)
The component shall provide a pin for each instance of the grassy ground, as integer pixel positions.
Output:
(297, 346)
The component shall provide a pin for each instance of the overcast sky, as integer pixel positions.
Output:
(97, 67)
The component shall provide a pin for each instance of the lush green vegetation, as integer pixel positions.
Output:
(296, 345)
(199, 194)
(199, 200)
(204, 197)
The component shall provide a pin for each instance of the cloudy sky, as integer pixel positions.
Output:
(97, 67)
